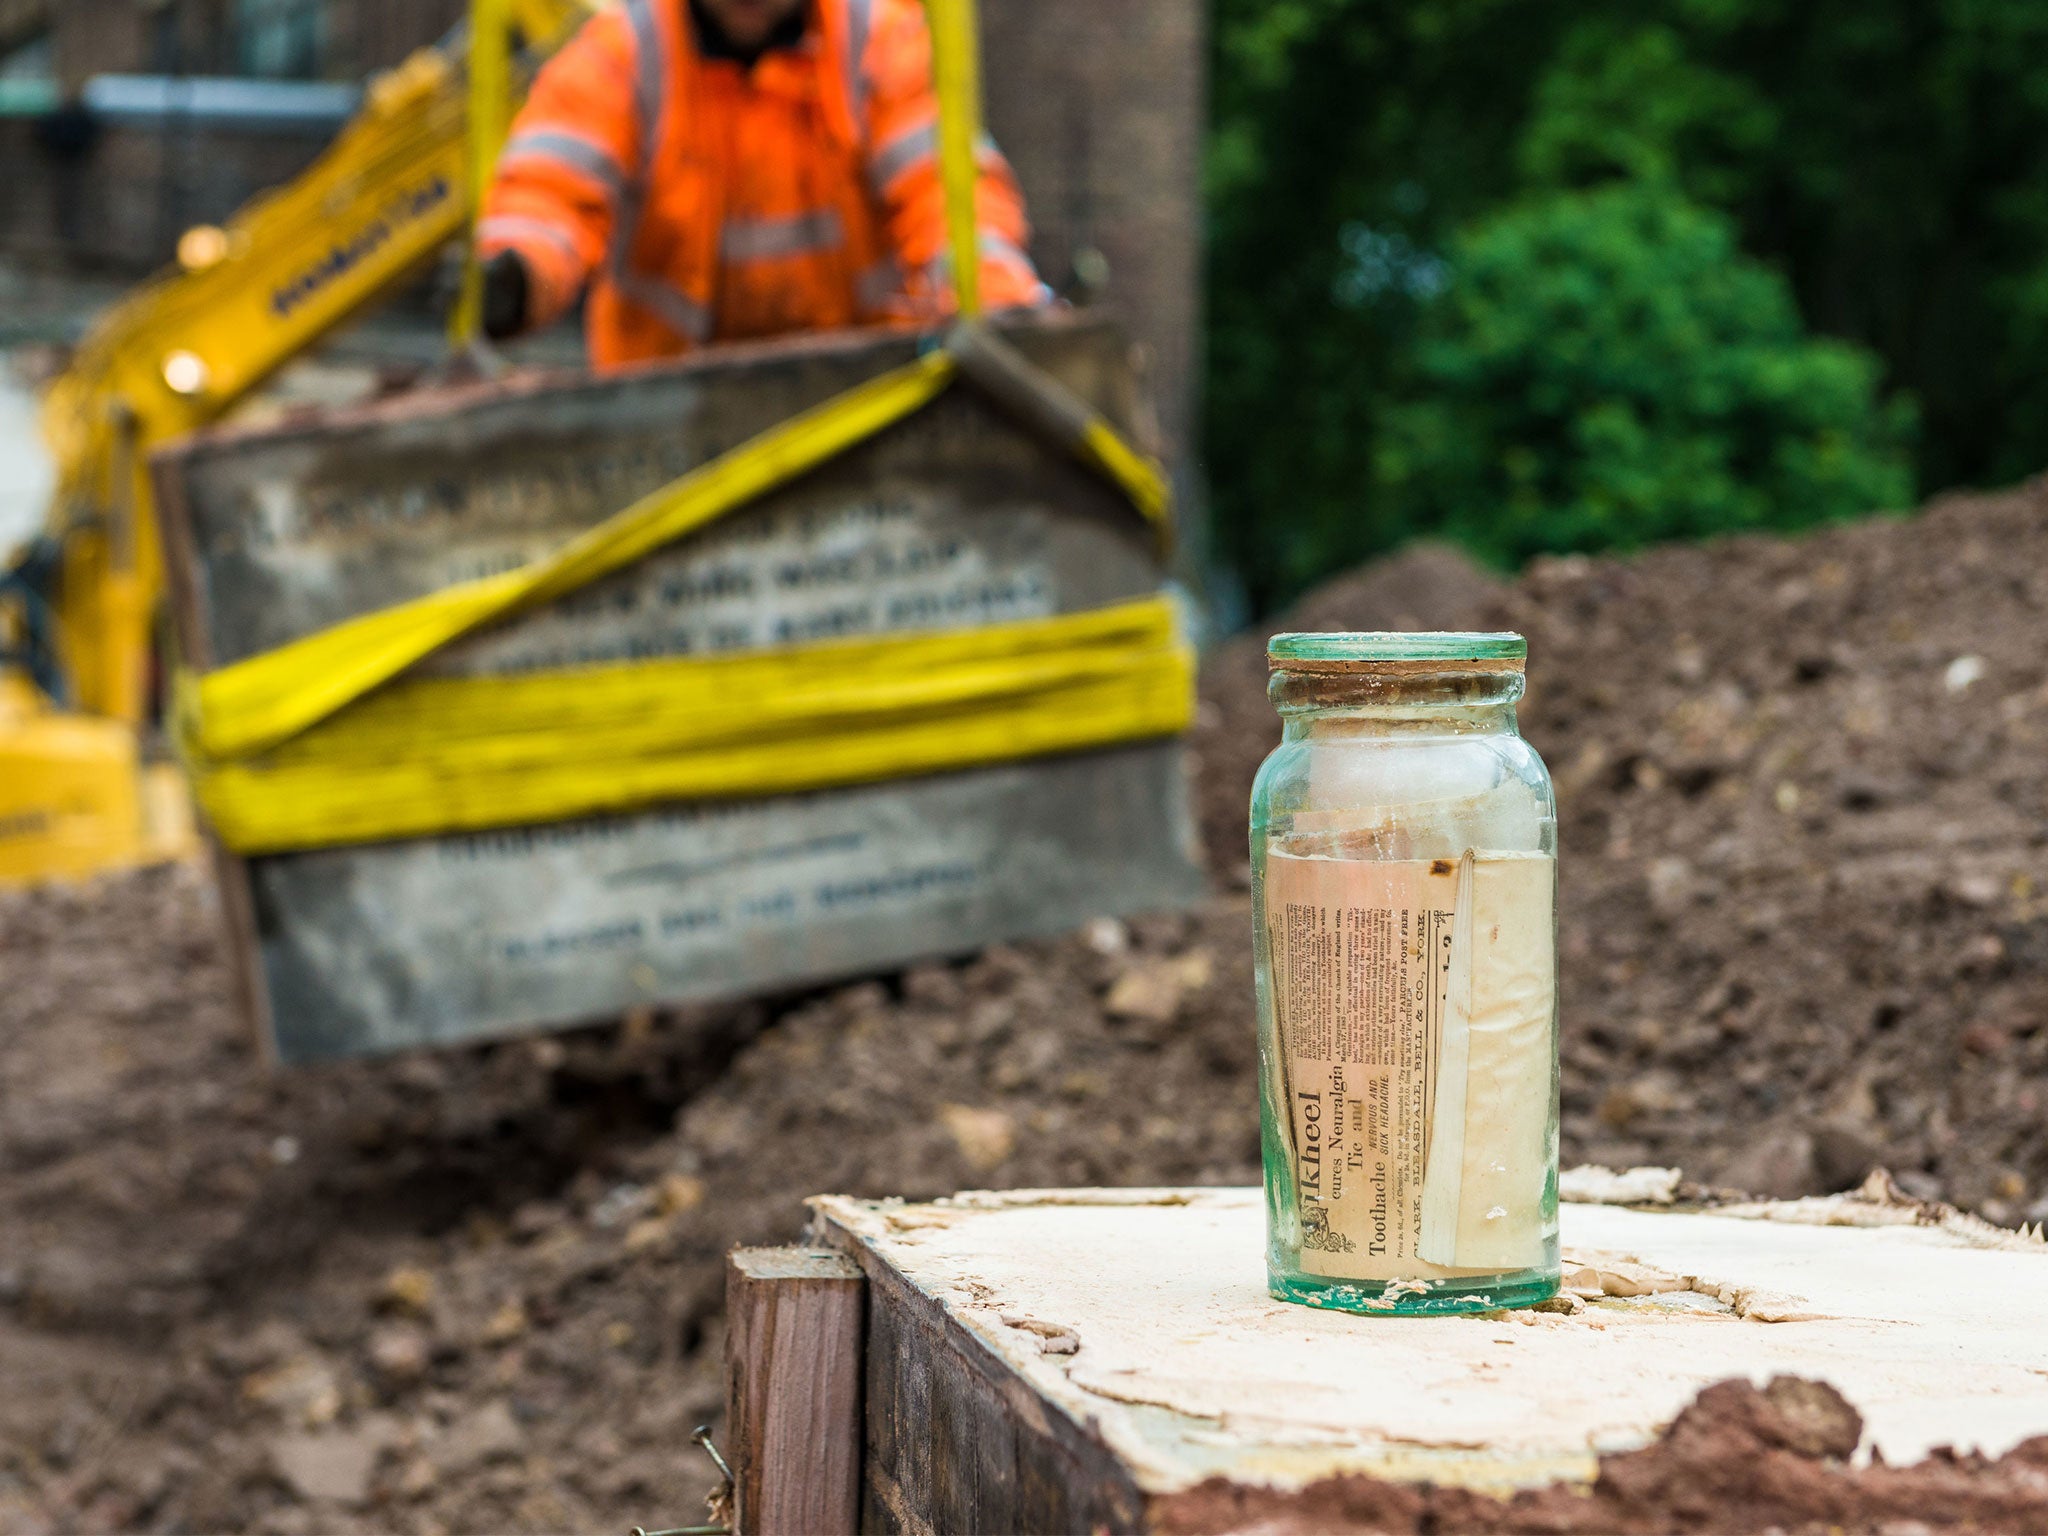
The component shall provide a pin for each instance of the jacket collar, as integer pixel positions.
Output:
(712, 42)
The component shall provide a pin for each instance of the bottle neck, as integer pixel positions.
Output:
(1411, 701)
(1377, 722)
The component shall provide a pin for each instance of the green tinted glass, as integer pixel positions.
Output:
(1394, 645)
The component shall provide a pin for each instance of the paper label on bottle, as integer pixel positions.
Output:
(1406, 1032)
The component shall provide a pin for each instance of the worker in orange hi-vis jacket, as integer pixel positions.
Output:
(717, 169)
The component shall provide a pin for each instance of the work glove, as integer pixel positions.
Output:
(505, 289)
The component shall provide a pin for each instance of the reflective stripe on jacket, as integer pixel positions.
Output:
(700, 199)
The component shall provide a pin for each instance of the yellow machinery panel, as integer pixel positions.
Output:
(70, 791)
(76, 800)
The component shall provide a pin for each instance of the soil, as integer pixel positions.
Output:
(1804, 807)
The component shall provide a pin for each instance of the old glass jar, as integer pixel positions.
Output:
(1404, 877)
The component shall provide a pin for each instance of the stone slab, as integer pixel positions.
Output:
(951, 520)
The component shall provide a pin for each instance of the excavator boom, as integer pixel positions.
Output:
(396, 186)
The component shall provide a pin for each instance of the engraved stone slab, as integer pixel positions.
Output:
(953, 519)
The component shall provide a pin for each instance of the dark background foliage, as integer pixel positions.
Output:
(1547, 277)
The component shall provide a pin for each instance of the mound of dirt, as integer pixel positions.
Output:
(1805, 928)
(481, 1291)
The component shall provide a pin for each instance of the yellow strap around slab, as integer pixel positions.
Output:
(324, 741)
(431, 756)
(1140, 476)
(254, 704)
(251, 705)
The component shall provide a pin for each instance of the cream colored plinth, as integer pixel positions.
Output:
(1146, 1312)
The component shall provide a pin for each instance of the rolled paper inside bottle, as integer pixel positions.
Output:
(1490, 1100)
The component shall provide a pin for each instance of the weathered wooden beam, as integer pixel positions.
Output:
(794, 1321)
(958, 1441)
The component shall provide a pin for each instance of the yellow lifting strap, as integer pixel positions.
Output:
(314, 743)
(490, 125)
(306, 746)
(956, 80)
(255, 704)
(432, 756)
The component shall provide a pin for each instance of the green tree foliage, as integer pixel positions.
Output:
(1608, 369)
(1889, 158)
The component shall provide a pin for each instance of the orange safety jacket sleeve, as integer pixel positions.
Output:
(573, 152)
(901, 123)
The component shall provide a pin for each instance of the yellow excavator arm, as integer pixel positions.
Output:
(396, 185)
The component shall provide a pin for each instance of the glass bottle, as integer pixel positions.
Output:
(1404, 880)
